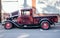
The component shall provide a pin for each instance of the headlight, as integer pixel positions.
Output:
(14, 20)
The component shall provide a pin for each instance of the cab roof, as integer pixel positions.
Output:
(24, 9)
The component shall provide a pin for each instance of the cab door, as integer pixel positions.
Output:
(26, 17)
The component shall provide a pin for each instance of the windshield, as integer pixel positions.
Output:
(26, 13)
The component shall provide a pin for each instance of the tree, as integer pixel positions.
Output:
(0, 11)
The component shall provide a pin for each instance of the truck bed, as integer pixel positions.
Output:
(46, 16)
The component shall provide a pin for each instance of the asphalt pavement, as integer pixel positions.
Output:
(54, 32)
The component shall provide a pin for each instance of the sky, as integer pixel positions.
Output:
(42, 6)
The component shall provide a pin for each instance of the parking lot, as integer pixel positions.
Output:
(54, 32)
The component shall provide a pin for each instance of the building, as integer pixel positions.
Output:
(42, 6)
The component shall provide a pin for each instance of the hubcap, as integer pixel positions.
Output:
(8, 25)
(45, 25)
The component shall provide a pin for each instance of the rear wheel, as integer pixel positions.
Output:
(8, 25)
(45, 25)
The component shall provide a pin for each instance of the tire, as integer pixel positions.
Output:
(8, 25)
(45, 25)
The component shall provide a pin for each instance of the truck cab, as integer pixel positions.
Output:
(26, 17)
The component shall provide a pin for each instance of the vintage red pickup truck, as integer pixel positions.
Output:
(27, 19)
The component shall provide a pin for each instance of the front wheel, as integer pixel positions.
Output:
(45, 25)
(8, 25)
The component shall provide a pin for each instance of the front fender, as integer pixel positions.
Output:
(12, 22)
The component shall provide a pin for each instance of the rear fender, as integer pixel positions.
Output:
(45, 19)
